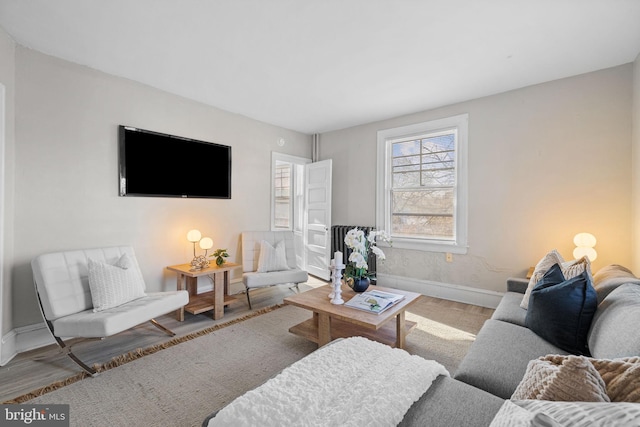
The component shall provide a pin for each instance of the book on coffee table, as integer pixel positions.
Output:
(374, 301)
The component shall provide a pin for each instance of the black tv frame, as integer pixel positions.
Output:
(183, 168)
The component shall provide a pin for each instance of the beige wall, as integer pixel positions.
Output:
(545, 162)
(7, 75)
(636, 166)
(66, 172)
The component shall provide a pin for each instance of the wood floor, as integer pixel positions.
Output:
(38, 368)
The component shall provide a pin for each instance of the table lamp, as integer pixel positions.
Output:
(584, 246)
(194, 237)
(206, 243)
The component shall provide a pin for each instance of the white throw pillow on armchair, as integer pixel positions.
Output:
(114, 285)
(272, 259)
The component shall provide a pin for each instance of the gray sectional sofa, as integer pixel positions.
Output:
(478, 393)
(497, 360)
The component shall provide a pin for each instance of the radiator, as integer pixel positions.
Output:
(338, 232)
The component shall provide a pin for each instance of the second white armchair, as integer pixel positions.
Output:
(268, 259)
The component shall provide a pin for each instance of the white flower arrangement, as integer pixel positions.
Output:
(357, 267)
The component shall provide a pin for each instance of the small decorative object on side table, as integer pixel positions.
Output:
(220, 255)
(198, 263)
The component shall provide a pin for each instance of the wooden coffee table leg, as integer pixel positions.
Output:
(324, 329)
(400, 335)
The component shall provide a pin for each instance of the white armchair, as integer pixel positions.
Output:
(268, 259)
(68, 304)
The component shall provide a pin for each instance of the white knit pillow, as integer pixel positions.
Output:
(272, 259)
(541, 267)
(114, 285)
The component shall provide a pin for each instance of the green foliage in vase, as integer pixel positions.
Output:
(220, 255)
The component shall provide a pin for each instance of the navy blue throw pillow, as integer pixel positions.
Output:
(560, 311)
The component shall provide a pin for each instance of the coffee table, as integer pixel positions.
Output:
(332, 321)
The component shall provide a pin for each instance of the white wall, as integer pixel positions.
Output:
(636, 166)
(545, 162)
(7, 75)
(66, 179)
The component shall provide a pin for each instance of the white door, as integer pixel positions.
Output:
(317, 214)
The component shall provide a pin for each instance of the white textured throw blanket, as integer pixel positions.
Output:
(351, 382)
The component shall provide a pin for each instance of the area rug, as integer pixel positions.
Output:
(183, 382)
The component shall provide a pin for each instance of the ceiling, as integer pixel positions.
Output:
(317, 66)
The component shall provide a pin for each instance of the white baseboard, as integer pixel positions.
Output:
(236, 287)
(459, 293)
(24, 339)
(8, 348)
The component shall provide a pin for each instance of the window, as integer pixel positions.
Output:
(282, 196)
(287, 192)
(421, 189)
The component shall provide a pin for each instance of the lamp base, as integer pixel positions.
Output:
(198, 263)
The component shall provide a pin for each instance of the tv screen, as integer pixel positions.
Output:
(159, 165)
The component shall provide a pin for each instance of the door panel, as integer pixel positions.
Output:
(318, 218)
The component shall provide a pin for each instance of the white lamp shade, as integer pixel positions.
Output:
(581, 251)
(206, 243)
(194, 235)
(585, 239)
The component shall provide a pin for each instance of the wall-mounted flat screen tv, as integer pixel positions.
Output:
(159, 165)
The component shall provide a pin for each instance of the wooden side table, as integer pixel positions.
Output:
(213, 300)
(530, 272)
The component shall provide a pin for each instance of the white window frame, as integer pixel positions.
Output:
(383, 186)
(277, 177)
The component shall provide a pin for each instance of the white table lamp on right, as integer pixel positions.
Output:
(584, 246)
